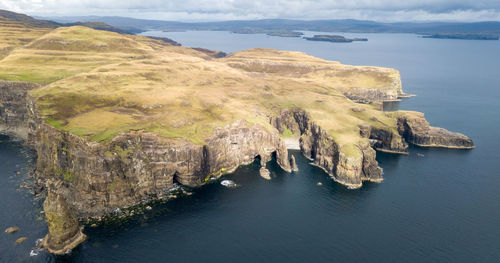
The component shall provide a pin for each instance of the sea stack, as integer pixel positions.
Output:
(293, 164)
(264, 173)
(65, 232)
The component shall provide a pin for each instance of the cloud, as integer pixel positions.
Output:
(205, 10)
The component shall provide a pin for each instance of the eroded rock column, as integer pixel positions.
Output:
(65, 233)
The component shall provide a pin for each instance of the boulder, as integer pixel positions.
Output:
(11, 230)
(21, 240)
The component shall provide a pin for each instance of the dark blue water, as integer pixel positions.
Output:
(443, 206)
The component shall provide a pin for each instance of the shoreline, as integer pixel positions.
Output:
(292, 143)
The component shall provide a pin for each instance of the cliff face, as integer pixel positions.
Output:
(384, 140)
(13, 110)
(393, 91)
(139, 166)
(367, 95)
(348, 169)
(88, 179)
(415, 129)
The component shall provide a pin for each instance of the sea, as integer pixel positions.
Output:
(434, 205)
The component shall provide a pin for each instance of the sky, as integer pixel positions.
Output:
(217, 10)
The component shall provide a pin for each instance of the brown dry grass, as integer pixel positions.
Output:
(101, 83)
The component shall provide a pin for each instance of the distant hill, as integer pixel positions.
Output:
(284, 25)
(27, 20)
(41, 23)
(18, 30)
(98, 26)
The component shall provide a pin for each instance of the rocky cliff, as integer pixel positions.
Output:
(366, 94)
(349, 169)
(139, 166)
(86, 179)
(13, 110)
(416, 130)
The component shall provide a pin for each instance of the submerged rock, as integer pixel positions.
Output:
(228, 183)
(264, 173)
(11, 230)
(21, 240)
(65, 232)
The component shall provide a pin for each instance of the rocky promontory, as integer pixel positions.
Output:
(121, 120)
(416, 130)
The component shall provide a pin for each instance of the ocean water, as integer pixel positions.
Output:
(434, 205)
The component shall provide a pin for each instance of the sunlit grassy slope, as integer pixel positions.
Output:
(98, 84)
(14, 34)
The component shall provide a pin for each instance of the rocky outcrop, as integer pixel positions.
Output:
(368, 95)
(65, 232)
(13, 111)
(293, 164)
(264, 173)
(11, 230)
(392, 92)
(384, 140)
(416, 130)
(21, 240)
(318, 145)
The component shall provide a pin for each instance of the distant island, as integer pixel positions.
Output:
(274, 33)
(463, 36)
(291, 28)
(334, 38)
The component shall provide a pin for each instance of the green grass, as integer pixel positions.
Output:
(287, 133)
(68, 176)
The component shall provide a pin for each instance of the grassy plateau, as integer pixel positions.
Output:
(97, 84)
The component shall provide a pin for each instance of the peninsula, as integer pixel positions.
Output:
(119, 120)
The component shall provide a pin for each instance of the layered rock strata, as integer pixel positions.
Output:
(64, 231)
(13, 110)
(140, 166)
(416, 130)
(88, 179)
(370, 95)
(324, 150)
